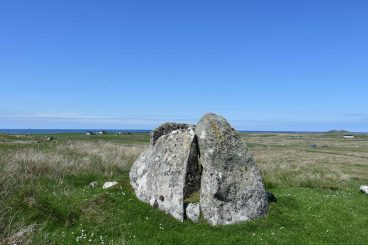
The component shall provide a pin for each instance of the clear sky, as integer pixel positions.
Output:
(264, 65)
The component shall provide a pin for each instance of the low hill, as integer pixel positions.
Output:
(338, 132)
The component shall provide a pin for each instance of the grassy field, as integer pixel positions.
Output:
(46, 197)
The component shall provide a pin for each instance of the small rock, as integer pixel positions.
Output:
(22, 236)
(193, 212)
(49, 138)
(109, 184)
(93, 184)
(364, 189)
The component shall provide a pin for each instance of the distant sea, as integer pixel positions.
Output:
(65, 131)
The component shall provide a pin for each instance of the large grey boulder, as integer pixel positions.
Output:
(200, 172)
(231, 187)
(168, 171)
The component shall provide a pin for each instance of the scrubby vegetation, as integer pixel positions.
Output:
(46, 197)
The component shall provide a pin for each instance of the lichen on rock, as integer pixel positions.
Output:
(167, 128)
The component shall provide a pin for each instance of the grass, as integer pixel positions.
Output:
(47, 197)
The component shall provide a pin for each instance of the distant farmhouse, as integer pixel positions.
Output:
(343, 133)
(102, 132)
(349, 136)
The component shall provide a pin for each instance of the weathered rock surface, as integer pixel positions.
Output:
(193, 212)
(231, 187)
(167, 128)
(168, 171)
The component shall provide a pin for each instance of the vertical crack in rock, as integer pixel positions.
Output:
(192, 177)
(193, 174)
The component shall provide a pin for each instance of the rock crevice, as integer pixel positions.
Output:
(193, 171)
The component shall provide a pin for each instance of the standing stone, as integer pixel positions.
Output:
(231, 187)
(168, 172)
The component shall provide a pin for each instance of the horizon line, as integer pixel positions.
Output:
(148, 130)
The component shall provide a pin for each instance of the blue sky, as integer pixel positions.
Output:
(264, 65)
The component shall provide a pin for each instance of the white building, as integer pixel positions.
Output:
(349, 136)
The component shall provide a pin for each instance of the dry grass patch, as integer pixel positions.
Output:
(20, 167)
(287, 160)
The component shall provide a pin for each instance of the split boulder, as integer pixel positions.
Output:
(202, 171)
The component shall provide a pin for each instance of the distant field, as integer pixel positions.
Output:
(46, 197)
(288, 159)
